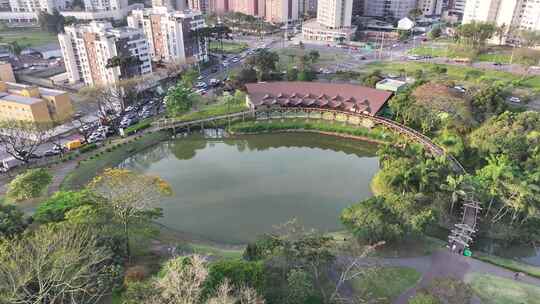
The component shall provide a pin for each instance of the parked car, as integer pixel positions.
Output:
(460, 88)
(9, 163)
(515, 99)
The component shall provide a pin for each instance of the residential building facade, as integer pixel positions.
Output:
(333, 22)
(171, 34)
(87, 49)
(104, 5)
(34, 104)
(430, 7)
(281, 11)
(35, 6)
(395, 9)
(516, 14)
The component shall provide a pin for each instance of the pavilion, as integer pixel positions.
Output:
(343, 97)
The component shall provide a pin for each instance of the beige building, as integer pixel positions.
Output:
(88, 48)
(35, 104)
(281, 11)
(170, 34)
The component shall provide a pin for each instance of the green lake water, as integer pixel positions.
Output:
(231, 190)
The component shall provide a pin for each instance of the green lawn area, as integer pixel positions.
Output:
(510, 264)
(228, 47)
(461, 73)
(386, 283)
(111, 157)
(410, 247)
(496, 290)
(28, 37)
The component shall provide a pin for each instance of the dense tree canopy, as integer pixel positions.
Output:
(12, 221)
(179, 99)
(55, 208)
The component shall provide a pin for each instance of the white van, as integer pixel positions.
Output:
(9, 163)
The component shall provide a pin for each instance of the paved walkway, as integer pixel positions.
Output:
(443, 263)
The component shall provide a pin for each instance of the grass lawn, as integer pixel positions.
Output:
(28, 37)
(386, 283)
(410, 247)
(228, 47)
(88, 168)
(510, 264)
(461, 73)
(496, 290)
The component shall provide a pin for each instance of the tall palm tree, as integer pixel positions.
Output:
(454, 185)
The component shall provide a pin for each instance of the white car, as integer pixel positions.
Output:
(514, 99)
(460, 88)
(201, 84)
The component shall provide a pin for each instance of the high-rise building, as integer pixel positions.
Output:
(395, 9)
(199, 5)
(171, 34)
(430, 7)
(35, 6)
(249, 7)
(517, 14)
(177, 5)
(281, 11)
(104, 5)
(334, 13)
(333, 21)
(358, 7)
(88, 49)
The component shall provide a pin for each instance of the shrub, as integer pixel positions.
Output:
(238, 272)
(88, 148)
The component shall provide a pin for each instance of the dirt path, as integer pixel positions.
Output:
(443, 263)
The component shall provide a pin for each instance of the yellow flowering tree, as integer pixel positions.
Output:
(131, 196)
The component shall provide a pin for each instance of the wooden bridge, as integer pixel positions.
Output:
(310, 113)
(463, 232)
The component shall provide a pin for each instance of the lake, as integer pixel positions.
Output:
(232, 190)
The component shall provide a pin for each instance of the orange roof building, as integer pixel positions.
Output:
(343, 97)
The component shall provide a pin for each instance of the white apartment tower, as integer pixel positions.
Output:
(87, 50)
(519, 14)
(334, 14)
(35, 6)
(396, 9)
(104, 5)
(171, 34)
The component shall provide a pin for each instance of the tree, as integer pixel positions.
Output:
(12, 221)
(371, 79)
(128, 65)
(179, 100)
(475, 34)
(132, 197)
(264, 62)
(21, 139)
(54, 264)
(529, 38)
(54, 209)
(415, 13)
(314, 56)
(113, 98)
(299, 286)
(501, 31)
(29, 184)
(454, 185)
(435, 33)
(188, 77)
(52, 23)
(16, 47)
(372, 220)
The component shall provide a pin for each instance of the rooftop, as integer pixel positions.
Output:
(346, 97)
(18, 98)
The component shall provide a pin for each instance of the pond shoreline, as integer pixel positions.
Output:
(341, 135)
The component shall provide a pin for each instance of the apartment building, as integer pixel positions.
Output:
(177, 5)
(35, 6)
(202, 6)
(333, 21)
(170, 34)
(104, 5)
(88, 48)
(249, 7)
(35, 104)
(518, 14)
(430, 7)
(281, 11)
(396, 9)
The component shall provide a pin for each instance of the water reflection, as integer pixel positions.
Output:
(231, 190)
